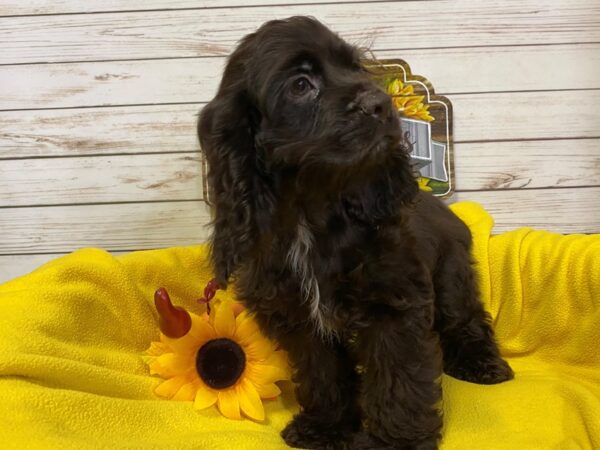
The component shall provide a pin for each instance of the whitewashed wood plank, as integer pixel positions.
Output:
(526, 115)
(505, 68)
(171, 128)
(147, 129)
(33, 7)
(569, 210)
(527, 164)
(113, 227)
(13, 266)
(152, 225)
(125, 178)
(109, 83)
(487, 69)
(211, 32)
(131, 178)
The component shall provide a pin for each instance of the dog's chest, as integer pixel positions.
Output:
(322, 264)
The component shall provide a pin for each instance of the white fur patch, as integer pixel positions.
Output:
(299, 261)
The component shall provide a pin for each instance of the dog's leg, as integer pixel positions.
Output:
(326, 392)
(400, 383)
(467, 339)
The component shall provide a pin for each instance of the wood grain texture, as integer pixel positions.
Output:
(147, 129)
(109, 83)
(112, 227)
(563, 211)
(214, 32)
(172, 128)
(153, 225)
(569, 210)
(106, 179)
(526, 115)
(36, 7)
(164, 177)
(13, 266)
(527, 164)
(128, 133)
(451, 71)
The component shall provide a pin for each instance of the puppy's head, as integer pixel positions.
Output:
(318, 107)
(304, 100)
(295, 103)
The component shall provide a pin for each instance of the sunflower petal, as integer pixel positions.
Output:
(410, 111)
(425, 115)
(395, 87)
(279, 358)
(199, 333)
(416, 100)
(250, 402)
(245, 326)
(163, 341)
(237, 308)
(148, 359)
(260, 373)
(169, 388)
(244, 341)
(259, 349)
(224, 320)
(229, 404)
(270, 390)
(157, 349)
(201, 330)
(399, 102)
(205, 397)
(157, 369)
(187, 392)
(171, 364)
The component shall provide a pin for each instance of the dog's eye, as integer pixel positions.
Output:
(300, 86)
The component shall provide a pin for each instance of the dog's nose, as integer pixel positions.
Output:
(375, 103)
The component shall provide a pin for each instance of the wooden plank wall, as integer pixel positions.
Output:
(98, 103)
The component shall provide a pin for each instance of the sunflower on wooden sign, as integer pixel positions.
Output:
(407, 102)
(218, 358)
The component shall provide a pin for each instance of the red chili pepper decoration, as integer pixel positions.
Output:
(174, 321)
(209, 292)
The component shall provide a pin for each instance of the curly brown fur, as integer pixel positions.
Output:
(319, 222)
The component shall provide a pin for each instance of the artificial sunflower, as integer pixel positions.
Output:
(218, 358)
(407, 103)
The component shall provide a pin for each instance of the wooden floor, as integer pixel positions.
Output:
(98, 103)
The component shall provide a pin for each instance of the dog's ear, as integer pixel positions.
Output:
(238, 188)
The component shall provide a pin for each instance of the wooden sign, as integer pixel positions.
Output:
(426, 122)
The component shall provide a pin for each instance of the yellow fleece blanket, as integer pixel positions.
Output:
(72, 332)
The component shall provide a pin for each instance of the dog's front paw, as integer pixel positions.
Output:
(486, 370)
(315, 432)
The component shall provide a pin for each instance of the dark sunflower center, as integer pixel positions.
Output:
(220, 363)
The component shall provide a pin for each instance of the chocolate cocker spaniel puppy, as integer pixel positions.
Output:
(364, 280)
